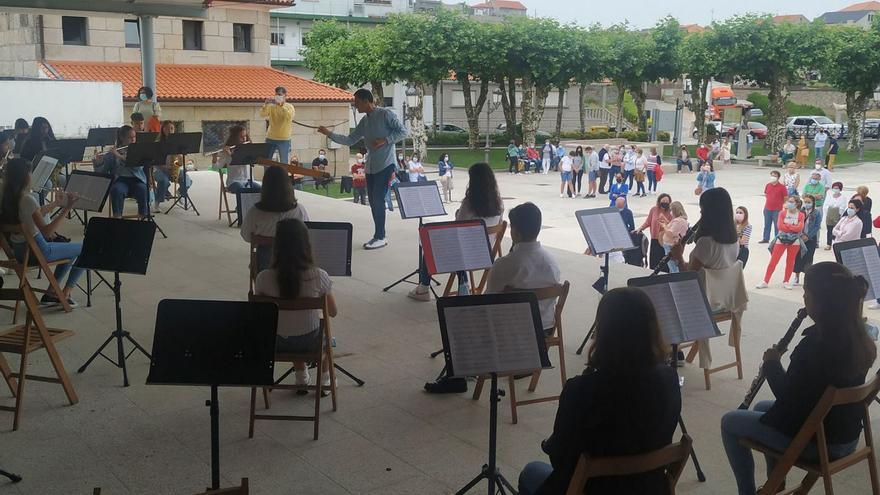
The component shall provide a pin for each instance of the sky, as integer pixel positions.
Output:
(645, 13)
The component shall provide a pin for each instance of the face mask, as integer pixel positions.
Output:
(400, 157)
(814, 181)
(619, 181)
(445, 158)
(665, 206)
(321, 155)
(850, 211)
(360, 160)
(773, 178)
(835, 191)
(142, 97)
(790, 205)
(818, 167)
(808, 206)
(279, 99)
(739, 217)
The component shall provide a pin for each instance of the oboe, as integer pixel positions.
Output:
(780, 346)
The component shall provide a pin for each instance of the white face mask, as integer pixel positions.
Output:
(321, 155)
(835, 191)
(279, 99)
(360, 160)
(739, 217)
(818, 166)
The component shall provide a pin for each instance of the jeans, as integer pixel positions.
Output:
(163, 183)
(236, 188)
(640, 187)
(388, 203)
(360, 195)
(743, 255)
(806, 259)
(533, 476)
(129, 187)
(820, 154)
(578, 178)
(628, 176)
(652, 181)
(554, 163)
(673, 266)
(829, 236)
(737, 424)
(283, 147)
(770, 218)
(682, 163)
(377, 188)
(54, 251)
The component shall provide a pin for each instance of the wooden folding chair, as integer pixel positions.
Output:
(671, 459)
(735, 337)
(320, 357)
(813, 431)
(554, 339)
(25, 340)
(224, 200)
(477, 288)
(21, 268)
(258, 242)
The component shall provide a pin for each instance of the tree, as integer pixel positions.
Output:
(660, 63)
(698, 56)
(585, 63)
(851, 65)
(624, 56)
(574, 53)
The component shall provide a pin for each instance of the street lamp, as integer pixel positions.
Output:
(496, 102)
(411, 101)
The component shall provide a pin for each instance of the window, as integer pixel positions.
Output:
(241, 37)
(388, 101)
(277, 38)
(132, 34)
(192, 35)
(73, 30)
(215, 132)
(304, 37)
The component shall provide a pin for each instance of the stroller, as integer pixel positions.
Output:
(637, 256)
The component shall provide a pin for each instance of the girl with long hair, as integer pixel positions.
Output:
(237, 176)
(127, 181)
(835, 352)
(715, 245)
(810, 236)
(743, 233)
(38, 139)
(627, 402)
(162, 173)
(293, 275)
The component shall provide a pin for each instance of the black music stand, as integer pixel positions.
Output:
(101, 136)
(93, 189)
(120, 246)
(247, 154)
(147, 137)
(515, 344)
(67, 150)
(183, 143)
(861, 256)
(146, 154)
(214, 343)
(417, 200)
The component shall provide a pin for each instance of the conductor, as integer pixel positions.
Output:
(380, 129)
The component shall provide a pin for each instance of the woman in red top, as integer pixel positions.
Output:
(791, 226)
(658, 217)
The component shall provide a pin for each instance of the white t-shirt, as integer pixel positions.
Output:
(262, 223)
(234, 173)
(566, 164)
(713, 255)
(629, 161)
(528, 266)
(821, 137)
(642, 163)
(26, 208)
(414, 171)
(315, 283)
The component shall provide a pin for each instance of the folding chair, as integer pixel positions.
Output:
(554, 339)
(25, 340)
(224, 200)
(259, 244)
(498, 232)
(813, 431)
(22, 267)
(671, 459)
(320, 357)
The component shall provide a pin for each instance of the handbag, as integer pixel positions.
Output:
(640, 176)
(658, 172)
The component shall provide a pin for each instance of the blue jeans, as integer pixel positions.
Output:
(237, 187)
(737, 424)
(129, 187)
(283, 147)
(163, 183)
(377, 188)
(681, 163)
(54, 251)
(628, 176)
(820, 155)
(672, 265)
(640, 187)
(388, 203)
(770, 218)
(533, 476)
(652, 180)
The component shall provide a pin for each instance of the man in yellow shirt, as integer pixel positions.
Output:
(280, 115)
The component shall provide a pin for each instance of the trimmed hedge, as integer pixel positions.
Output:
(635, 136)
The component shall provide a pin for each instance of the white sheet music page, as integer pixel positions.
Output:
(43, 171)
(421, 201)
(864, 261)
(248, 200)
(597, 232)
(667, 314)
(90, 188)
(496, 338)
(696, 322)
(617, 231)
(330, 250)
(460, 248)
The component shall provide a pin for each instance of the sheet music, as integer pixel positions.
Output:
(248, 200)
(606, 232)
(693, 314)
(421, 201)
(460, 248)
(492, 338)
(42, 172)
(330, 248)
(91, 190)
(864, 261)
(667, 314)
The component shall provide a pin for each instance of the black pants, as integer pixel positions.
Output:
(830, 236)
(656, 253)
(603, 176)
(743, 255)
(514, 161)
(805, 259)
(578, 178)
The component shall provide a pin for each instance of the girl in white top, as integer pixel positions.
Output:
(416, 170)
(791, 179)
(640, 172)
(717, 245)
(835, 207)
(236, 175)
(294, 275)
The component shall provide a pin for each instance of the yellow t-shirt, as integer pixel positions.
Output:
(280, 117)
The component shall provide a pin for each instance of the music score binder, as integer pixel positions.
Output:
(681, 305)
(862, 258)
(604, 230)
(331, 246)
(419, 200)
(455, 246)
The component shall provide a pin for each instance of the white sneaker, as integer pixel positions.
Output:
(301, 377)
(375, 244)
(874, 305)
(562, 195)
(325, 382)
(762, 285)
(796, 282)
(420, 293)
(787, 286)
(156, 208)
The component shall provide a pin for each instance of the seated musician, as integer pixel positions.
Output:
(237, 176)
(127, 181)
(170, 171)
(626, 402)
(527, 266)
(836, 351)
(19, 206)
(293, 275)
(717, 245)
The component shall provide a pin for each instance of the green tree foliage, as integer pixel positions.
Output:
(698, 56)
(625, 54)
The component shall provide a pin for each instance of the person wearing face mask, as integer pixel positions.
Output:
(825, 175)
(835, 208)
(149, 108)
(533, 159)
(359, 180)
(280, 115)
(788, 241)
(743, 233)
(865, 212)
(513, 157)
(816, 189)
(774, 196)
(444, 167)
(629, 165)
(705, 179)
(604, 167)
(810, 236)
(416, 170)
(548, 152)
(658, 216)
(618, 190)
(320, 163)
(849, 228)
(833, 148)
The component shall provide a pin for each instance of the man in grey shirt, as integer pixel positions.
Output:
(380, 129)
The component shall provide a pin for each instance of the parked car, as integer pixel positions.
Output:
(447, 128)
(724, 130)
(757, 129)
(871, 128)
(807, 126)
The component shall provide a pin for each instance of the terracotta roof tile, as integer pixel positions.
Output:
(501, 4)
(238, 83)
(861, 6)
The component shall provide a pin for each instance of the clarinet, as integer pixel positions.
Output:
(780, 346)
(687, 239)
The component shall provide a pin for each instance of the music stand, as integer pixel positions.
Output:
(862, 258)
(417, 200)
(146, 154)
(146, 137)
(183, 143)
(684, 315)
(120, 246)
(457, 246)
(491, 335)
(42, 171)
(248, 154)
(101, 136)
(93, 189)
(214, 343)
(67, 150)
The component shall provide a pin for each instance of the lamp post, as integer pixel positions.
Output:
(496, 102)
(411, 101)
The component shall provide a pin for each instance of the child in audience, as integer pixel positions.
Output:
(565, 167)
(672, 232)
(359, 180)
(743, 233)
(137, 122)
(640, 171)
(293, 275)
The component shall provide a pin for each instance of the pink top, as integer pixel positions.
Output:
(795, 223)
(653, 221)
(675, 230)
(847, 229)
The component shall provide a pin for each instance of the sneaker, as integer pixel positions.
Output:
(49, 300)
(827, 248)
(562, 195)
(302, 378)
(447, 385)
(464, 290)
(375, 244)
(325, 381)
(72, 302)
(420, 293)
(156, 208)
(762, 285)
(764, 242)
(787, 286)
(874, 305)
(797, 281)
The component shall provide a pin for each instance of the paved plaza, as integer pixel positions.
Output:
(388, 437)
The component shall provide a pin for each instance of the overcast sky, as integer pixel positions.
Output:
(645, 13)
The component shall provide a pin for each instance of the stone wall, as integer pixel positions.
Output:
(19, 45)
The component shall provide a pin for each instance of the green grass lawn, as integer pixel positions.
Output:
(332, 190)
(463, 158)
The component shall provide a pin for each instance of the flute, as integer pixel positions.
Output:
(49, 189)
(780, 346)
(222, 149)
(121, 148)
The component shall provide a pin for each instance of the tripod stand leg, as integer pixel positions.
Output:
(480, 477)
(96, 353)
(120, 349)
(402, 280)
(436, 353)
(586, 339)
(700, 475)
(360, 383)
(136, 345)
(503, 481)
(12, 477)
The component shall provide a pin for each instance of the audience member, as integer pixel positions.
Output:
(791, 179)
(810, 235)
(815, 189)
(774, 196)
(604, 167)
(684, 160)
(416, 170)
(674, 231)
(513, 156)
(320, 161)
(865, 212)
(835, 207)
(743, 233)
(444, 169)
(149, 109)
(359, 179)
(577, 170)
(591, 163)
(849, 228)
(618, 189)
(566, 167)
(658, 216)
(641, 168)
(653, 166)
(788, 241)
